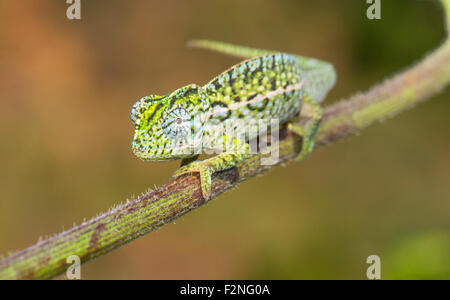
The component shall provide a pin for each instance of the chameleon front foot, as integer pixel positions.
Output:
(205, 176)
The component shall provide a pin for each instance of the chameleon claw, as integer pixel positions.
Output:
(205, 176)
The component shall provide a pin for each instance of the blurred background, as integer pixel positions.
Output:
(67, 87)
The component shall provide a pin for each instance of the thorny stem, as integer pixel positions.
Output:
(154, 209)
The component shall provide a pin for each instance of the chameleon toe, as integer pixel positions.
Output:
(205, 176)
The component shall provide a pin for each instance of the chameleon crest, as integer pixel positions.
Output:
(268, 85)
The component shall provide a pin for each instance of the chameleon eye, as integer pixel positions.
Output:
(176, 124)
(179, 121)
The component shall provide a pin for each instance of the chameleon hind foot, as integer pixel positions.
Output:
(309, 130)
(307, 143)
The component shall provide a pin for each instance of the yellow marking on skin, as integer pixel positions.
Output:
(258, 98)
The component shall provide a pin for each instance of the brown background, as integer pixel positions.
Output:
(66, 89)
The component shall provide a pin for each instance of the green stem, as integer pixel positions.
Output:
(446, 5)
(152, 210)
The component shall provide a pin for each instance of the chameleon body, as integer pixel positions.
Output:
(268, 85)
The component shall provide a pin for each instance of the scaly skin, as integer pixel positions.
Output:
(268, 85)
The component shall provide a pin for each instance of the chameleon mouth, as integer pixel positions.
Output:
(168, 147)
(164, 153)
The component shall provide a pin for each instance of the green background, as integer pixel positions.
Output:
(67, 87)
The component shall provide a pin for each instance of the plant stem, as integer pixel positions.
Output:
(154, 209)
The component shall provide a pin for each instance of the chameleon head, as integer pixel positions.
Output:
(169, 127)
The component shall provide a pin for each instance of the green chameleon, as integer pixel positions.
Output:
(268, 85)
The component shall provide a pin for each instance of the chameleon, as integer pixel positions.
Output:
(267, 84)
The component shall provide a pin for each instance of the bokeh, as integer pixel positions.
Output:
(67, 87)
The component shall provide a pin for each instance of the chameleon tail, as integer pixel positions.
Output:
(234, 50)
(247, 52)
